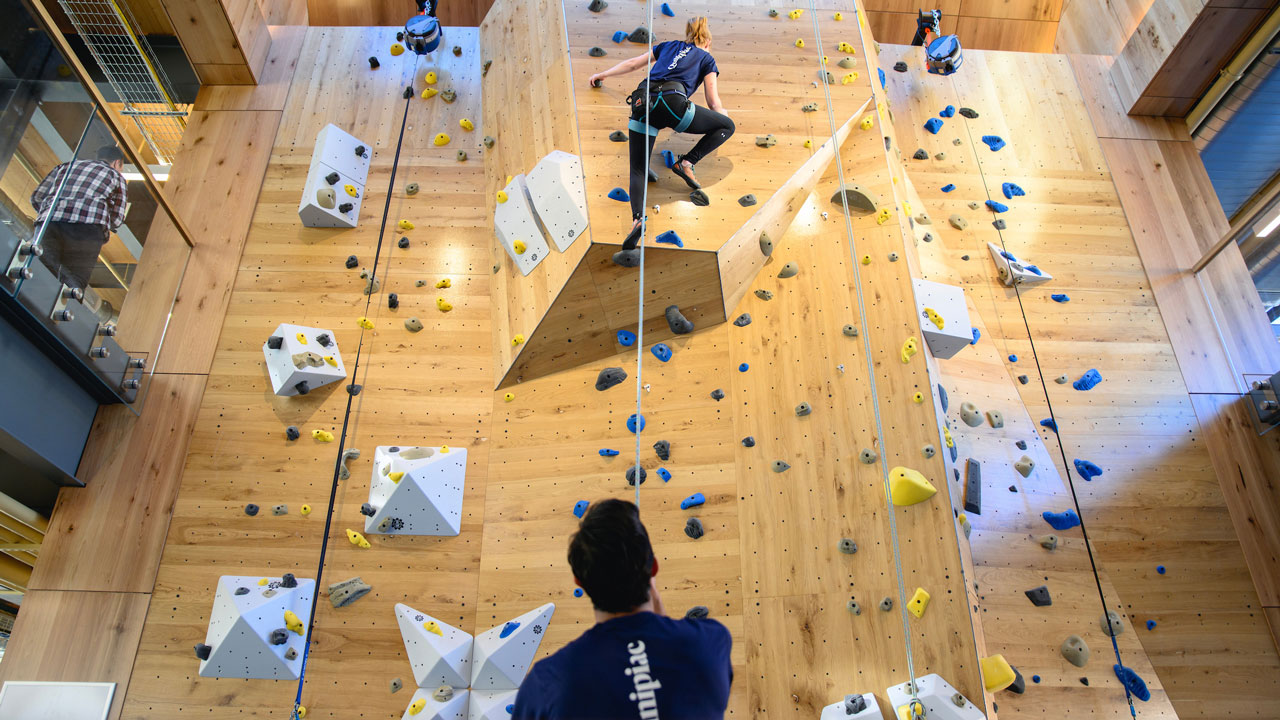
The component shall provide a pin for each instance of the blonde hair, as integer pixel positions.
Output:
(697, 31)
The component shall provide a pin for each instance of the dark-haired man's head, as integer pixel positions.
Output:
(110, 154)
(611, 556)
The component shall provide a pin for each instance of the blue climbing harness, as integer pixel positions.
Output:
(659, 99)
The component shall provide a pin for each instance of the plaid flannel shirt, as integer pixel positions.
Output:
(94, 194)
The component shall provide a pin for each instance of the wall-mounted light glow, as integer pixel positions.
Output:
(159, 172)
(1269, 227)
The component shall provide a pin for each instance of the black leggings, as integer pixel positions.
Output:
(714, 128)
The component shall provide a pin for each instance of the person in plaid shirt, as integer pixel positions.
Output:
(82, 216)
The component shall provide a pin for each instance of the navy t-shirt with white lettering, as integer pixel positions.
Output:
(682, 62)
(642, 666)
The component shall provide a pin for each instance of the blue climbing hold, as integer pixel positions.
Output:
(509, 628)
(933, 125)
(948, 111)
(1034, 269)
(1087, 470)
(608, 452)
(1035, 679)
(995, 142)
(577, 592)
(1061, 521)
(1013, 358)
(1011, 190)
(619, 194)
(1088, 381)
(670, 238)
(1008, 256)
(620, 36)
(580, 508)
(661, 351)
(948, 187)
(692, 500)
(1160, 569)
(635, 420)
(512, 707)
(976, 334)
(669, 158)
(1151, 624)
(1132, 682)
(666, 10)
(882, 87)
(997, 207)
(665, 474)
(626, 338)
(1059, 297)
(743, 367)
(1049, 423)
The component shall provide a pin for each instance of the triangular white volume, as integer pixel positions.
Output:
(240, 627)
(455, 708)
(559, 197)
(500, 663)
(443, 659)
(1013, 271)
(426, 499)
(491, 705)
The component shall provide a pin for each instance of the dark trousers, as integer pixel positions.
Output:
(71, 251)
(714, 128)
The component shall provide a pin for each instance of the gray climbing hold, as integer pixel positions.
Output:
(940, 156)
(250, 509)
(617, 136)
(419, 283)
(699, 198)
(242, 591)
(803, 409)
(956, 141)
(448, 96)
(747, 200)
(969, 113)
(693, 528)
(766, 245)
(900, 66)
(597, 52)
(676, 320)
(922, 219)
(269, 592)
(347, 456)
(342, 594)
(371, 281)
(1024, 379)
(847, 63)
(920, 154)
(462, 155)
(631, 475)
(663, 450)
(368, 510)
(973, 486)
(858, 200)
(279, 510)
(1049, 542)
(850, 330)
(291, 654)
(764, 294)
(203, 651)
(1024, 466)
(627, 258)
(1039, 596)
(766, 140)
(789, 270)
(385, 525)
(412, 324)
(444, 693)
(928, 451)
(996, 418)
(743, 320)
(292, 432)
(275, 342)
(279, 636)
(717, 394)
(1062, 379)
(640, 35)
(811, 107)
(780, 466)
(697, 612)
(970, 414)
(928, 237)
(1115, 627)
(1019, 685)
(958, 222)
(886, 604)
(999, 224)
(411, 189)
(973, 205)
(856, 609)
(1075, 650)
(893, 257)
(826, 77)
(488, 141)
(867, 456)
(396, 685)
(848, 546)
(748, 441)
(1022, 444)
(597, 6)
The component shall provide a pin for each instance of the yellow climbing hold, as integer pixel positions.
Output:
(306, 509)
(824, 59)
(417, 706)
(302, 338)
(909, 349)
(866, 259)
(444, 283)
(808, 143)
(917, 398)
(432, 626)
(330, 359)
(795, 14)
(908, 487)
(442, 139)
(509, 397)
(396, 476)
(946, 433)
(292, 622)
(300, 711)
(883, 216)
(799, 42)
(867, 122)
(934, 317)
(918, 602)
(365, 323)
(848, 78)
(844, 47)
(839, 17)
(519, 247)
(517, 340)
(443, 305)
(263, 581)
(429, 93)
(467, 124)
(322, 435)
(351, 189)
(430, 78)
(444, 449)
(404, 225)
(357, 539)
(997, 674)
(502, 196)
(397, 49)
(906, 207)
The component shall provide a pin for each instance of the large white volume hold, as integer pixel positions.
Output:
(417, 490)
(240, 628)
(518, 228)
(937, 697)
(503, 654)
(305, 355)
(559, 196)
(944, 317)
(439, 652)
(455, 708)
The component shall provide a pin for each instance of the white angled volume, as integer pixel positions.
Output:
(491, 705)
(1013, 271)
(502, 655)
(944, 317)
(302, 358)
(438, 658)
(938, 698)
(240, 627)
(339, 160)
(514, 221)
(559, 196)
(853, 707)
(455, 708)
(417, 490)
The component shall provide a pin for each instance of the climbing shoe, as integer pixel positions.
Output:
(685, 175)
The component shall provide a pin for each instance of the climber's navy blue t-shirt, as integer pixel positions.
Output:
(636, 666)
(683, 62)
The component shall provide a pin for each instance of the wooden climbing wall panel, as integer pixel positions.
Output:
(1158, 501)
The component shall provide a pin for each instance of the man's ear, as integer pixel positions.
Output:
(654, 571)
(576, 581)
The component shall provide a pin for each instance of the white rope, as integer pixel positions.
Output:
(644, 231)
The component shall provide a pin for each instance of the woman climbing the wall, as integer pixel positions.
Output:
(679, 67)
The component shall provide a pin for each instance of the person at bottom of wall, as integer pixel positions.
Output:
(635, 661)
(663, 99)
(82, 201)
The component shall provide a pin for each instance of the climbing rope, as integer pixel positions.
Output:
(866, 344)
(644, 232)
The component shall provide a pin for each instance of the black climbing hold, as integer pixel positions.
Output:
(292, 432)
(1084, 681)
(964, 257)
(354, 389)
(1024, 379)
(332, 178)
(748, 441)
(597, 52)
(367, 510)
(900, 66)
(279, 636)
(640, 35)
(324, 339)
(699, 198)
(942, 396)
(743, 320)
(854, 704)
(597, 6)
(202, 651)
(402, 243)
(275, 342)
(653, 176)
(373, 63)
(999, 224)
(288, 581)
(609, 377)
(457, 51)
(973, 487)
(717, 394)
(617, 136)
(663, 449)
(697, 612)
(969, 113)
(250, 509)
(408, 92)
(1013, 488)
(1019, 685)
(627, 258)
(631, 475)
(928, 237)
(676, 320)
(345, 207)
(360, 151)
(242, 591)
(1022, 444)
(352, 261)
(303, 388)
(393, 301)
(747, 200)
(1039, 596)
(693, 528)
(920, 154)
